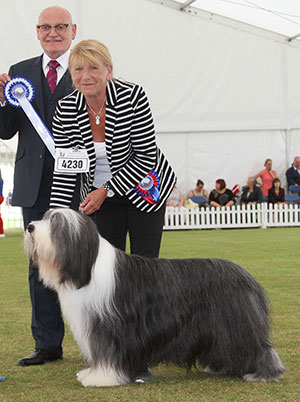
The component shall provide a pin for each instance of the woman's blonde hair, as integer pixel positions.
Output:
(89, 50)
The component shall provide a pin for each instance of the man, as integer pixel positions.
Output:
(34, 163)
(293, 173)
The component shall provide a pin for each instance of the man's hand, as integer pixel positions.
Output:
(3, 79)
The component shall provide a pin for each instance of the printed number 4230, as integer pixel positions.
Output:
(72, 164)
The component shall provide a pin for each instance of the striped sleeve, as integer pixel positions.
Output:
(141, 155)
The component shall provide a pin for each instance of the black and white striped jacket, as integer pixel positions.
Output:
(130, 145)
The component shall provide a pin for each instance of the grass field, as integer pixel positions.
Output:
(271, 255)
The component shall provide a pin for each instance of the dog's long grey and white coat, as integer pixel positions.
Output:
(128, 312)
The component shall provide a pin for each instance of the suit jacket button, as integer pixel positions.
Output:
(41, 156)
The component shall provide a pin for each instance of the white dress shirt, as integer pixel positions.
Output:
(63, 64)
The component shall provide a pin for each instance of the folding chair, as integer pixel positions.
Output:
(292, 198)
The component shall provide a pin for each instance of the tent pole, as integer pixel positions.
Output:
(293, 37)
(186, 4)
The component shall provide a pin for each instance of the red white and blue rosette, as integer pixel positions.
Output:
(148, 188)
(19, 93)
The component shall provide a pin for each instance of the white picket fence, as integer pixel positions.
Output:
(251, 216)
(263, 216)
(12, 217)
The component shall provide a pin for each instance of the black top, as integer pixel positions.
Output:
(221, 199)
(274, 198)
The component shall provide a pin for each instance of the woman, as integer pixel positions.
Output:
(252, 194)
(276, 193)
(175, 199)
(221, 196)
(122, 176)
(266, 176)
(129, 179)
(198, 190)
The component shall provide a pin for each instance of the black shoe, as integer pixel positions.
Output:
(39, 356)
(143, 376)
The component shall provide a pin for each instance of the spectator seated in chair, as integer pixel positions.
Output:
(176, 198)
(221, 196)
(293, 174)
(252, 193)
(198, 191)
(276, 193)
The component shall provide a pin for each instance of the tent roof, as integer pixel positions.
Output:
(279, 16)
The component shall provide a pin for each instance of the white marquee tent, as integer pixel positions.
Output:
(225, 95)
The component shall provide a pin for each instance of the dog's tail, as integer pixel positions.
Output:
(269, 367)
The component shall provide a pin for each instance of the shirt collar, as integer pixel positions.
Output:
(62, 60)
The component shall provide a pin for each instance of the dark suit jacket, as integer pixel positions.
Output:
(31, 151)
(292, 176)
(255, 196)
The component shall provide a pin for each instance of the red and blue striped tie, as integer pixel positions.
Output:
(52, 74)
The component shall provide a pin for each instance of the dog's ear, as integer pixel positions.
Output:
(76, 241)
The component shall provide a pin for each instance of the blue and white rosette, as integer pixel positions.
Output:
(19, 92)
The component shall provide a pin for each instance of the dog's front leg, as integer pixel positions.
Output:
(101, 376)
(82, 374)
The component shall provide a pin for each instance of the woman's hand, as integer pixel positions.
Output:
(215, 204)
(93, 201)
(229, 204)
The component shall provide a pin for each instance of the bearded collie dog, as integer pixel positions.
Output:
(128, 312)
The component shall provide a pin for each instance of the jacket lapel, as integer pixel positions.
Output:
(110, 118)
(82, 118)
(65, 85)
(35, 75)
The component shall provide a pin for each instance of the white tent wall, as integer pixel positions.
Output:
(211, 157)
(223, 98)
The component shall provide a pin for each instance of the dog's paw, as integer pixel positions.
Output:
(93, 379)
(100, 378)
(208, 370)
(253, 378)
(82, 374)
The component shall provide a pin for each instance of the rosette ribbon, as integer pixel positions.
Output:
(19, 92)
(148, 188)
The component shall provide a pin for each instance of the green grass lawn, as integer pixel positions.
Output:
(271, 255)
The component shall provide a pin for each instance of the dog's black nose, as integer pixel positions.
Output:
(30, 228)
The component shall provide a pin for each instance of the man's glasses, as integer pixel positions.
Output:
(59, 28)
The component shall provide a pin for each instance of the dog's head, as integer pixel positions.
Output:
(64, 245)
